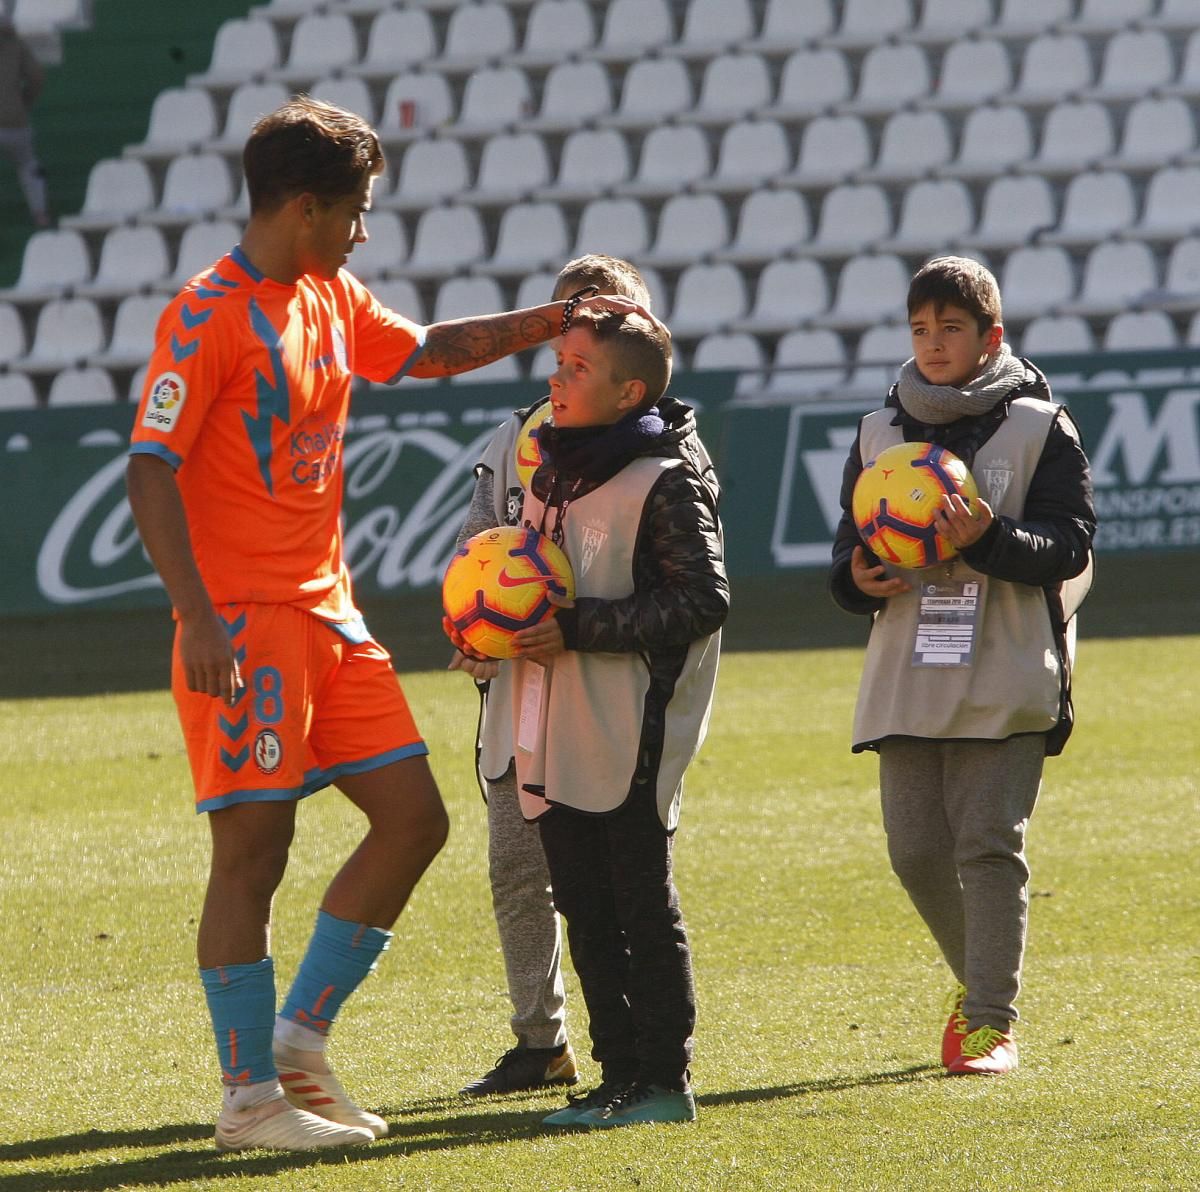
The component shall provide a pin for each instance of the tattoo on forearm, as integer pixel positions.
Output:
(471, 343)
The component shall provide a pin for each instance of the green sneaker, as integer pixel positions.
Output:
(578, 1105)
(641, 1103)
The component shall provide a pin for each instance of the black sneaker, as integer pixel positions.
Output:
(522, 1068)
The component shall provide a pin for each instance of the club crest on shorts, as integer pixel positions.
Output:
(268, 751)
(166, 399)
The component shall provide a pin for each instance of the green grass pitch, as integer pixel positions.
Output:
(819, 992)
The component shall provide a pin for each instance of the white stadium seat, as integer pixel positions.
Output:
(832, 148)
(672, 156)
(511, 165)
(891, 76)
(770, 222)
(1115, 276)
(130, 258)
(807, 362)
(634, 26)
(1053, 66)
(385, 249)
(12, 333)
(478, 33)
(813, 79)
(1050, 334)
(707, 298)
(734, 85)
(1172, 204)
(54, 260)
(321, 42)
(1138, 330)
(616, 226)
(852, 216)
(934, 214)
(912, 144)
(690, 227)
(398, 38)
(870, 288)
(461, 297)
(531, 236)
(248, 102)
(994, 138)
(117, 188)
(81, 385)
(67, 331)
(1014, 209)
(1036, 280)
(708, 24)
(653, 89)
(556, 29)
(415, 103)
(243, 48)
(495, 96)
(133, 330)
(17, 392)
(446, 239)
(789, 293)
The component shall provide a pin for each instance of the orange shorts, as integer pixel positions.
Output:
(315, 706)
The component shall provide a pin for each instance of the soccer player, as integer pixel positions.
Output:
(235, 482)
(961, 743)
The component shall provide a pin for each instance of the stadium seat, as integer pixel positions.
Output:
(543, 363)
(1181, 275)
(869, 22)
(710, 25)
(634, 27)
(574, 93)
(807, 362)
(511, 165)
(242, 49)
(832, 148)
(130, 259)
(1135, 62)
(477, 33)
(615, 226)
(385, 249)
(1037, 280)
(1014, 210)
(1102, 16)
(707, 298)
(1116, 275)
(1095, 205)
(1172, 205)
(593, 161)
(17, 392)
(12, 333)
(1137, 330)
(67, 331)
(812, 80)
(180, 118)
(733, 85)
(852, 216)
(752, 152)
(54, 260)
(789, 294)
(555, 30)
(735, 350)
(672, 156)
(346, 91)
(81, 385)
(461, 297)
(321, 43)
(1175, 16)
(447, 239)
(1054, 65)
(870, 289)
(401, 295)
(934, 214)
(912, 144)
(34, 18)
(201, 245)
(248, 102)
(507, 368)
(880, 352)
(399, 38)
(493, 97)
(414, 104)
(1032, 16)
(690, 227)
(994, 138)
(1052, 334)
(535, 289)
(787, 26)
(951, 20)
(133, 331)
(770, 223)
(1074, 136)
(972, 73)
(195, 184)
(530, 236)
(1156, 130)
(653, 89)
(431, 169)
(891, 76)
(117, 188)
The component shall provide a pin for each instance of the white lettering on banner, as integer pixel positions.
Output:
(1130, 433)
(115, 538)
(823, 473)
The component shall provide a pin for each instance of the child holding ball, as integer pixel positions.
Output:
(961, 743)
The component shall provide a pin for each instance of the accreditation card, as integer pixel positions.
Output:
(948, 622)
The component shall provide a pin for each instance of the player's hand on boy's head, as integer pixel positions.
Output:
(543, 641)
(622, 305)
(872, 579)
(206, 654)
(961, 524)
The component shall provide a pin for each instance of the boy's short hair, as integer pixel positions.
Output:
(307, 145)
(638, 349)
(610, 275)
(956, 281)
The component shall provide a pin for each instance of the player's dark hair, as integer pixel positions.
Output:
(610, 275)
(308, 146)
(956, 281)
(637, 349)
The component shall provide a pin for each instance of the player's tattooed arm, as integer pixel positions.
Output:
(459, 345)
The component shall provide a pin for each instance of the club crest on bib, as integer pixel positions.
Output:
(594, 539)
(166, 399)
(997, 476)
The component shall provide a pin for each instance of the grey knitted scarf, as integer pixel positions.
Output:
(938, 404)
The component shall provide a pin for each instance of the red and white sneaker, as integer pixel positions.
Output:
(321, 1093)
(278, 1126)
(985, 1052)
(956, 1026)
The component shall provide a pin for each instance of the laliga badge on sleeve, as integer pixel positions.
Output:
(948, 622)
(531, 707)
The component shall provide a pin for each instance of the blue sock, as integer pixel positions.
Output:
(339, 957)
(241, 1003)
